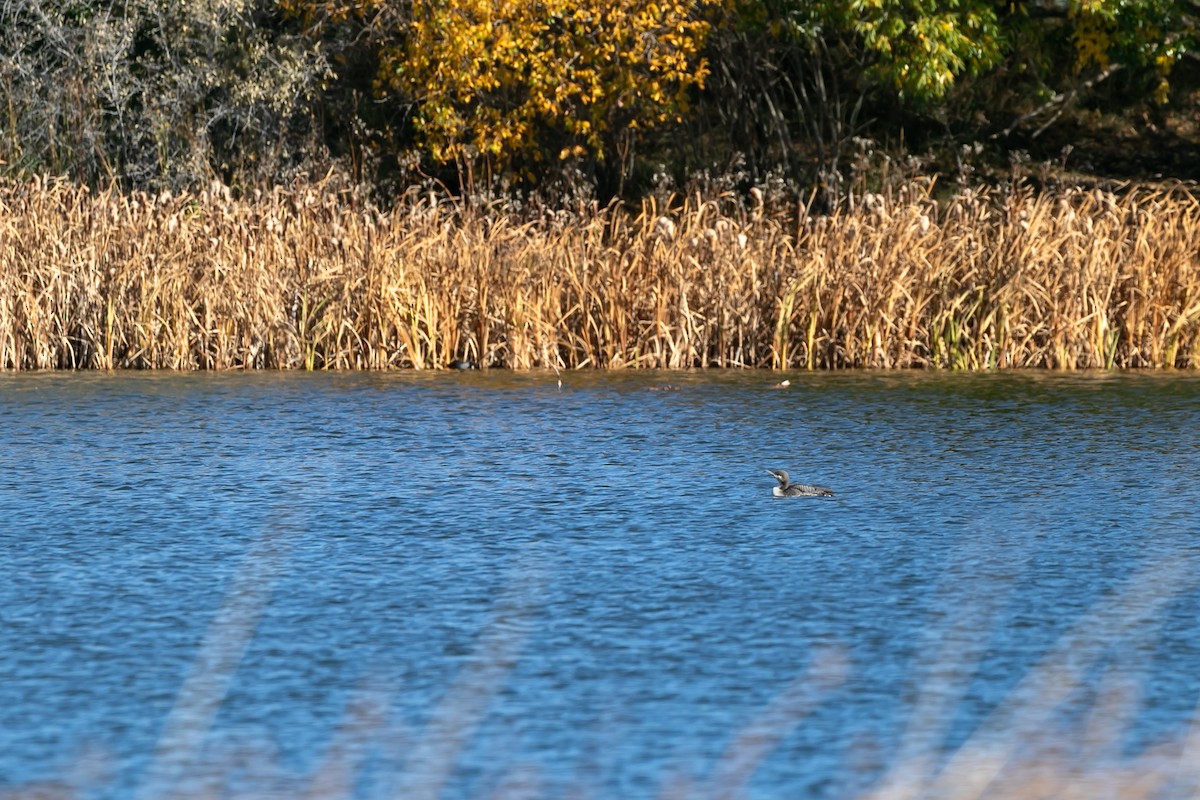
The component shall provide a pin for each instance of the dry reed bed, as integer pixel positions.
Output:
(315, 279)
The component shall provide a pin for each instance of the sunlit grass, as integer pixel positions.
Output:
(317, 279)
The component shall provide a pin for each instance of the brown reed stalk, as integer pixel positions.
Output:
(308, 277)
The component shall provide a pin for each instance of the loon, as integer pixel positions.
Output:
(788, 489)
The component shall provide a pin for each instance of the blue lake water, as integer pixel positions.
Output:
(485, 585)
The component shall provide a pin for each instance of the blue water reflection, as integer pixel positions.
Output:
(474, 584)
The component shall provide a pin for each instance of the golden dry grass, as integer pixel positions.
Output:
(311, 278)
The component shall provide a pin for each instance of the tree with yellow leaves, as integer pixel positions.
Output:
(511, 85)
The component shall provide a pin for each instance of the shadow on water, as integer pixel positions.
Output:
(488, 585)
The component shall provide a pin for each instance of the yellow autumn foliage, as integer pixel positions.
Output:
(509, 79)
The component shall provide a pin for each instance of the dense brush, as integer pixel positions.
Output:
(315, 279)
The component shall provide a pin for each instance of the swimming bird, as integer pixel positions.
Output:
(788, 489)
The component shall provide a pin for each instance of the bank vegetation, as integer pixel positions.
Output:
(316, 278)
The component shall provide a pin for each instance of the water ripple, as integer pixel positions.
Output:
(456, 585)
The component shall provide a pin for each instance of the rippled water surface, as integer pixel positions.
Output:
(477, 585)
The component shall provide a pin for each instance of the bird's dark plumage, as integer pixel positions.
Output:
(788, 489)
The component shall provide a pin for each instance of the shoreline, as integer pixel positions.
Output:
(302, 278)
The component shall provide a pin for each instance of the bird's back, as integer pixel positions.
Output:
(803, 490)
